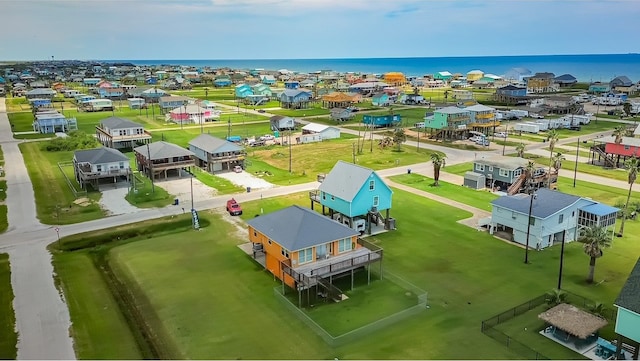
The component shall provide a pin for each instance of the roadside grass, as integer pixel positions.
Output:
(54, 199)
(8, 335)
(309, 160)
(299, 113)
(147, 196)
(4, 221)
(99, 329)
(3, 189)
(598, 192)
(480, 199)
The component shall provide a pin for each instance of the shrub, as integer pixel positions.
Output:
(75, 140)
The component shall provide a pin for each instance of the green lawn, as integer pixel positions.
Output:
(182, 137)
(54, 198)
(480, 199)
(221, 185)
(308, 160)
(8, 335)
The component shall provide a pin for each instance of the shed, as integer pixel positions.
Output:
(474, 180)
(325, 131)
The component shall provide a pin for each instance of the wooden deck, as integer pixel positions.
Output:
(340, 263)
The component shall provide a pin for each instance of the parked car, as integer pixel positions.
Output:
(500, 134)
(482, 141)
(267, 137)
(260, 110)
(233, 207)
(237, 169)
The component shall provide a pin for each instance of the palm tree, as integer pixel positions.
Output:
(520, 150)
(619, 132)
(595, 239)
(552, 138)
(556, 160)
(633, 167)
(438, 160)
(598, 309)
(555, 297)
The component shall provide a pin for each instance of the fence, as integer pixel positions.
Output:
(488, 325)
(76, 193)
(366, 329)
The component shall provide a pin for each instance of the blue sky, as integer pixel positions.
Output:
(283, 29)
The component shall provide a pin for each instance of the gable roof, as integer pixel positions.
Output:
(296, 228)
(479, 108)
(118, 123)
(211, 144)
(162, 150)
(346, 179)
(628, 297)
(545, 204)
(621, 80)
(99, 156)
(295, 92)
(451, 110)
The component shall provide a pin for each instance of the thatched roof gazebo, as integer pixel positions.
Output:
(573, 320)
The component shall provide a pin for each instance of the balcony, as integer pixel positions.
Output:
(87, 174)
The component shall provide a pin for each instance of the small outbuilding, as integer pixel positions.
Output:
(474, 180)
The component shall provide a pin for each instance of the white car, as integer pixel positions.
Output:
(500, 134)
(267, 137)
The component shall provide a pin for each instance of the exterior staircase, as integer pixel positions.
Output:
(608, 159)
(517, 185)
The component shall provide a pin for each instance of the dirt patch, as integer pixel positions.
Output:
(82, 202)
(240, 227)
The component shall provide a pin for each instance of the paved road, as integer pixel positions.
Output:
(42, 317)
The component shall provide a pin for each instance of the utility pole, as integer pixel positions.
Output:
(289, 151)
(506, 135)
(229, 127)
(575, 168)
(353, 152)
(191, 184)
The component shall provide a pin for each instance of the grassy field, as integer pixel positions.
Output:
(209, 312)
(4, 221)
(8, 335)
(308, 160)
(54, 199)
(476, 198)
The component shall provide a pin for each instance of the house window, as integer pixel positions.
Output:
(372, 185)
(627, 147)
(268, 241)
(532, 221)
(490, 168)
(344, 245)
(305, 255)
(121, 165)
(517, 172)
(333, 198)
(284, 252)
(324, 196)
(255, 234)
(480, 167)
(503, 172)
(376, 200)
(561, 218)
(99, 168)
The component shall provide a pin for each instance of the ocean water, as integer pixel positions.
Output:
(586, 68)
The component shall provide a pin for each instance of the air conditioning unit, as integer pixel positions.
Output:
(374, 209)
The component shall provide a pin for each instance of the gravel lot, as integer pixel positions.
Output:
(245, 179)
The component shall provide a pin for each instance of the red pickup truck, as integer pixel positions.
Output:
(233, 207)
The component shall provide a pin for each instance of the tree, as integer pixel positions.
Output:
(520, 150)
(627, 108)
(555, 297)
(438, 160)
(552, 138)
(556, 160)
(619, 132)
(633, 166)
(399, 137)
(598, 309)
(595, 239)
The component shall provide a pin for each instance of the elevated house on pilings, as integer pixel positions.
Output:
(163, 158)
(95, 166)
(607, 152)
(306, 251)
(628, 315)
(355, 196)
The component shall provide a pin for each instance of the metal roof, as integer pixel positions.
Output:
(162, 150)
(315, 127)
(545, 204)
(503, 162)
(628, 297)
(100, 156)
(479, 108)
(211, 144)
(296, 228)
(345, 180)
(118, 123)
(451, 110)
(600, 209)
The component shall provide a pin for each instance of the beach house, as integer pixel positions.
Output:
(95, 166)
(165, 158)
(215, 154)
(116, 132)
(295, 99)
(628, 316)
